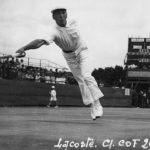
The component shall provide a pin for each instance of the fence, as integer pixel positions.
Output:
(41, 63)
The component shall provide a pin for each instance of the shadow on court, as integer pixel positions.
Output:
(68, 128)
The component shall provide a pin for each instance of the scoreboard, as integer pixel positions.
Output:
(138, 51)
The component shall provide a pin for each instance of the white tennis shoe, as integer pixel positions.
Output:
(96, 110)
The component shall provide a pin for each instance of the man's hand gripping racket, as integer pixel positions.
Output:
(20, 53)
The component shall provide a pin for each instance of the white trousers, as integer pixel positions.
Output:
(80, 67)
(53, 98)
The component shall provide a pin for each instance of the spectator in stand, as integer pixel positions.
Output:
(13, 68)
(6, 68)
(141, 99)
(56, 74)
(21, 70)
(148, 97)
(135, 98)
(12, 62)
(42, 79)
(17, 63)
(1, 70)
(21, 64)
(37, 77)
(52, 76)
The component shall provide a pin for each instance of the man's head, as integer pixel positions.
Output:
(60, 16)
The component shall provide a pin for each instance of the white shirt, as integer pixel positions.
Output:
(53, 93)
(67, 38)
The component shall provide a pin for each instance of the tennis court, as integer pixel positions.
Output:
(68, 128)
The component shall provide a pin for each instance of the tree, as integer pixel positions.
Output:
(98, 75)
(110, 76)
(119, 75)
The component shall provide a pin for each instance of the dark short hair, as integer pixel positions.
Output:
(58, 10)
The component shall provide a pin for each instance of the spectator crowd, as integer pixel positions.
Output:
(14, 68)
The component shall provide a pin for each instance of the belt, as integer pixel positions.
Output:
(68, 51)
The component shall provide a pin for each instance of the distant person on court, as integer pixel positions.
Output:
(53, 98)
(67, 37)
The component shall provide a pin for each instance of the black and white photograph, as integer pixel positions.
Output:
(74, 75)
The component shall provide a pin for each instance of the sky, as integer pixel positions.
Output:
(105, 26)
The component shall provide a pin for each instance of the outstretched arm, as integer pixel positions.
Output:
(32, 45)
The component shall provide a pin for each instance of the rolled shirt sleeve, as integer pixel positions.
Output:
(48, 39)
(48, 36)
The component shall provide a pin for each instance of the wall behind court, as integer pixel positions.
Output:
(27, 93)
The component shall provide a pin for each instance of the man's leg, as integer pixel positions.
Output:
(85, 92)
(75, 66)
(86, 70)
(76, 71)
(85, 67)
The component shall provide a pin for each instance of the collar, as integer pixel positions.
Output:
(69, 23)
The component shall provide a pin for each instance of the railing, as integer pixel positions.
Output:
(33, 69)
(41, 63)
